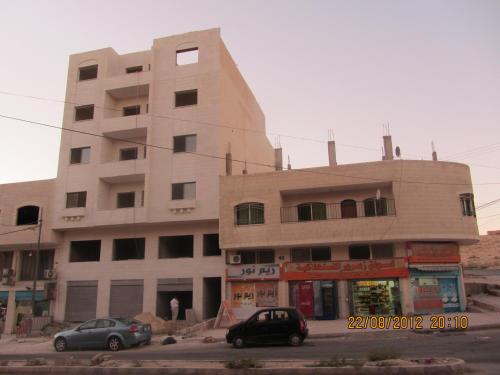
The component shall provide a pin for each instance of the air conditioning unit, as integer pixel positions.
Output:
(7, 272)
(234, 259)
(49, 274)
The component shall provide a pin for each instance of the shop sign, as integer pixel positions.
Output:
(253, 272)
(267, 294)
(351, 269)
(260, 294)
(433, 252)
(243, 294)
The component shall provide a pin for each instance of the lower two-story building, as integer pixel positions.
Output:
(358, 239)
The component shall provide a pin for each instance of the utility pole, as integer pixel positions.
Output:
(37, 260)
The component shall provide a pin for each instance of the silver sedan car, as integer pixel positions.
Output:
(111, 333)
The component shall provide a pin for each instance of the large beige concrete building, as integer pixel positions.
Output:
(132, 218)
(359, 239)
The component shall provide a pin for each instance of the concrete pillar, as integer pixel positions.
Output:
(278, 158)
(10, 318)
(343, 299)
(229, 164)
(283, 293)
(149, 296)
(103, 295)
(198, 297)
(389, 155)
(406, 296)
(332, 154)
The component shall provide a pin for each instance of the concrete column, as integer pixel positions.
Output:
(388, 148)
(278, 159)
(283, 293)
(198, 297)
(461, 289)
(332, 154)
(10, 318)
(149, 296)
(343, 299)
(406, 296)
(103, 295)
(60, 302)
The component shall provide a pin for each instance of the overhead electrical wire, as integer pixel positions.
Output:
(272, 167)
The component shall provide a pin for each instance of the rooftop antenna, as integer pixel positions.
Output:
(398, 152)
(331, 136)
(277, 142)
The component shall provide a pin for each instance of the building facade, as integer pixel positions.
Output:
(358, 239)
(131, 219)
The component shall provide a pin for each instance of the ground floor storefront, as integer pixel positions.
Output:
(16, 306)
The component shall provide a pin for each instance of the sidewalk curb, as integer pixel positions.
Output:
(455, 368)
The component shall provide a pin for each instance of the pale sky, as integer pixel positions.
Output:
(429, 68)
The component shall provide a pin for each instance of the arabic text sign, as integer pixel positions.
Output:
(253, 272)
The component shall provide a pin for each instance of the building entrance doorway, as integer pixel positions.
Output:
(163, 304)
(211, 296)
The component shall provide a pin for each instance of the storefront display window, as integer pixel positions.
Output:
(375, 297)
(435, 292)
(315, 299)
(254, 294)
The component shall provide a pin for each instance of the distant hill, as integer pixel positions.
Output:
(485, 253)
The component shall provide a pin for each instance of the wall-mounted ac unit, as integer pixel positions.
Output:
(234, 259)
(49, 274)
(8, 276)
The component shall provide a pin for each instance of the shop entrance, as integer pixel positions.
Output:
(315, 299)
(375, 297)
(163, 304)
(211, 296)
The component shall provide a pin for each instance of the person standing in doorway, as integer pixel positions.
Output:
(174, 308)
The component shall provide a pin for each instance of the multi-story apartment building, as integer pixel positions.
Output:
(132, 218)
(357, 239)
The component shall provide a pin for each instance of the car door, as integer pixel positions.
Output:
(258, 329)
(101, 332)
(83, 335)
(281, 327)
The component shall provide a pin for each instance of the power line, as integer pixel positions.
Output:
(236, 160)
(485, 205)
(19, 230)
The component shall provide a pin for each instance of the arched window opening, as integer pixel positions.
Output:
(348, 209)
(27, 215)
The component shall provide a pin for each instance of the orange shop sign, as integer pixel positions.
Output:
(433, 252)
(349, 269)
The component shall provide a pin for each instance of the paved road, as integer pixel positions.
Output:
(479, 348)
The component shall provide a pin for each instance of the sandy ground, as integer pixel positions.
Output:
(486, 253)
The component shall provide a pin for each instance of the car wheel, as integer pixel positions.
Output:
(238, 342)
(295, 340)
(60, 344)
(114, 344)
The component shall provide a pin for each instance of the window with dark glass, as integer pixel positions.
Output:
(128, 248)
(132, 110)
(311, 254)
(80, 155)
(311, 211)
(76, 199)
(84, 112)
(467, 204)
(383, 250)
(300, 255)
(124, 200)
(185, 143)
(359, 252)
(265, 256)
(257, 256)
(128, 153)
(134, 69)
(185, 98)
(375, 207)
(248, 257)
(176, 247)
(320, 254)
(348, 209)
(249, 213)
(184, 190)
(87, 72)
(85, 251)
(27, 215)
(211, 245)
(28, 264)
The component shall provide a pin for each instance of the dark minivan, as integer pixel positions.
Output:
(273, 325)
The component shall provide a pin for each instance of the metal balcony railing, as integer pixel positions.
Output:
(347, 209)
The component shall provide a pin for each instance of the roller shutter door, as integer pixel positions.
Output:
(126, 298)
(81, 301)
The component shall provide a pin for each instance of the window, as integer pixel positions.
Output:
(132, 110)
(84, 112)
(348, 209)
(85, 251)
(467, 203)
(249, 213)
(28, 264)
(6, 259)
(27, 215)
(185, 143)
(88, 325)
(105, 323)
(374, 251)
(375, 207)
(311, 254)
(87, 72)
(256, 256)
(211, 245)
(76, 199)
(185, 98)
(80, 155)
(311, 211)
(124, 200)
(128, 153)
(184, 190)
(134, 69)
(187, 56)
(176, 247)
(128, 248)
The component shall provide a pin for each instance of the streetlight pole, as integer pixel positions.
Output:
(37, 259)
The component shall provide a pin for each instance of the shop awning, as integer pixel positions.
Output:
(435, 268)
(26, 296)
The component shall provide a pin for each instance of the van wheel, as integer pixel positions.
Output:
(295, 340)
(114, 344)
(238, 342)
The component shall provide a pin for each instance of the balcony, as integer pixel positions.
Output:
(118, 172)
(126, 81)
(348, 209)
(126, 127)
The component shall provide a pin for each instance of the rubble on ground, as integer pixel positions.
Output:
(158, 325)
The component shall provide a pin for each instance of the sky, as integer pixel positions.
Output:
(431, 69)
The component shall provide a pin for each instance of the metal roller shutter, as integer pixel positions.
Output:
(126, 298)
(81, 301)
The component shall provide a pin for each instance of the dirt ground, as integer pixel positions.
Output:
(486, 253)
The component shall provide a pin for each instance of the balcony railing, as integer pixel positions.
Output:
(348, 209)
